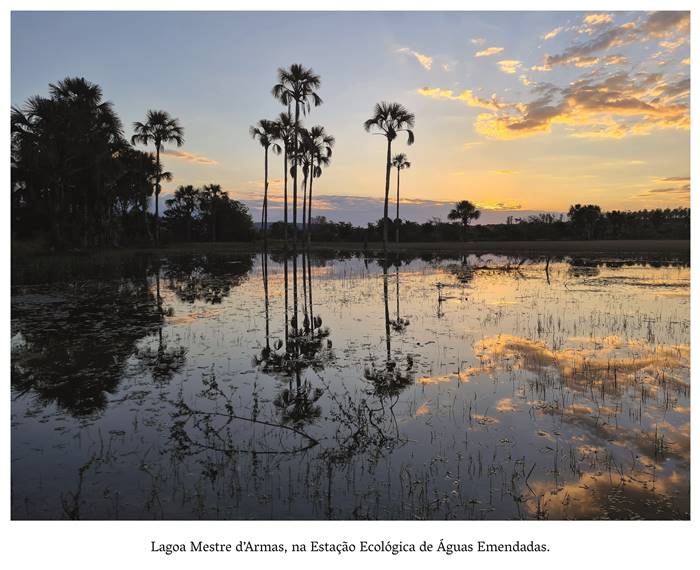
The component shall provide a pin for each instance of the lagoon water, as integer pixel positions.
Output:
(272, 387)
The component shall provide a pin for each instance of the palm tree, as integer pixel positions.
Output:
(160, 128)
(389, 120)
(284, 131)
(297, 85)
(320, 152)
(399, 162)
(464, 212)
(265, 133)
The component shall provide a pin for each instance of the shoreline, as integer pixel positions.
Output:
(573, 247)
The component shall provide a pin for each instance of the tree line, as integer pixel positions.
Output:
(615, 224)
(76, 181)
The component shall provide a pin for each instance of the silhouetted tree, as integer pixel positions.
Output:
(585, 219)
(160, 128)
(297, 85)
(207, 213)
(389, 120)
(464, 212)
(265, 133)
(183, 206)
(64, 165)
(400, 162)
(211, 198)
(320, 149)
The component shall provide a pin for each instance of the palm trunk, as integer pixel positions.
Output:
(296, 171)
(157, 193)
(303, 211)
(264, 208)
(386, 193)
(285, 194)
(398, 186)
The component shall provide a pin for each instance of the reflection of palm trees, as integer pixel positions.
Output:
(399, 324)
(306, 344)
(389, 380)
(297, 406)
(163, 362)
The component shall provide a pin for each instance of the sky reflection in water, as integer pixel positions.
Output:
(470, 388)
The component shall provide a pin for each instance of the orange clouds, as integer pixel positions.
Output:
(467, 96)
(659, 25)
(613, 107)
(597, 19)
(509, 65)
(425, 60)
(488, 51)
(190, 157)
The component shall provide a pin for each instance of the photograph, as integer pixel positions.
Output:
(349, 266)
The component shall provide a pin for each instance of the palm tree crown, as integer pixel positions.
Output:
(265, 132)
(297, 84)
(400, 161)
(390, 119)
(160, 128)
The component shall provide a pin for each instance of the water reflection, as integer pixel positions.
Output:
(297, 385)
(72, 342)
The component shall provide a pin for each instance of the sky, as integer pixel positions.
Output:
(519, 112)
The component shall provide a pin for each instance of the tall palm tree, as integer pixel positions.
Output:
(320, 146)
(297, 85)
(160, 128)
(400, 162)
(265, 133)
(284, 132)
(388, 120)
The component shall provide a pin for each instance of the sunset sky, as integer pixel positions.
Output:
(518, 112)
